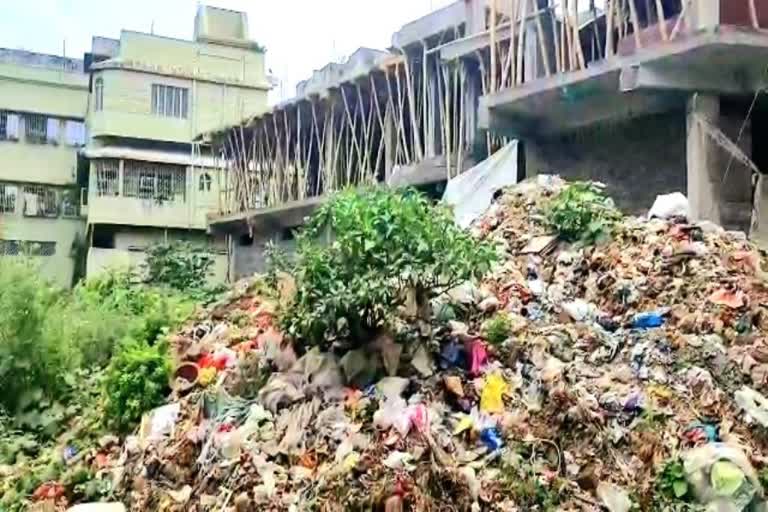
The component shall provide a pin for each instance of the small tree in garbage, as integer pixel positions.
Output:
(365, 251)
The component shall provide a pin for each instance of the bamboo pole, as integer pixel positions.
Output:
(567, 37)
(662, 21)
(556, 44)
(520, 42)
(493, 46)
(513, 10)
(680, 19)
(418, 150)
(578, 51)
(542, 42)
(753, 15)
(609, 28)
(635, 24)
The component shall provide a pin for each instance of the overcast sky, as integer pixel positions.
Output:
(300, 35)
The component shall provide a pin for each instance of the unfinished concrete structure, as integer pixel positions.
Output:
(649, 96)
(670, 102)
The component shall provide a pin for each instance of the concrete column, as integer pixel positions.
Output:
(719, 184)
(703, 182)
(475, 10)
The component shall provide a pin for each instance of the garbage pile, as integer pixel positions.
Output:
(630, 374)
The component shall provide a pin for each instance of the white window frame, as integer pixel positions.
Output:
(98, 95)
(170, 101)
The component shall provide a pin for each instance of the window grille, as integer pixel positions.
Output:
(27, 248)
(3, 125)
(8, 195)
(40, 201)
(205, 182)
(98, 95)
(70, 206)
(157, 182)
(36, 128)
(170, 101)
(107, 178)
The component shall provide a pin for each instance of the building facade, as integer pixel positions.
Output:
(96, 155)
(149, 96)
(43, 103)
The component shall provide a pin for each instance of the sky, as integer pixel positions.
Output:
(300, 35)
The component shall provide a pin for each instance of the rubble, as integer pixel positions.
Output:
(633, 377)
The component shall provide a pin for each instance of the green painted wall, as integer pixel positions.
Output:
(43, 91)
(225, 84)
(60, 267)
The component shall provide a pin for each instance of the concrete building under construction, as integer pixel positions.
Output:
(648, 96)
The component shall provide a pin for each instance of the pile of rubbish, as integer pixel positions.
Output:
(628, 375)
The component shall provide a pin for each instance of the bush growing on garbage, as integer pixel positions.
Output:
(672, 482)
(137, 380)
(497, 329)
(364, 250)
(581, 212)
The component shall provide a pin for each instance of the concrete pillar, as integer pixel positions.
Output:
(475, 10)
(703, 185)
(719, 185)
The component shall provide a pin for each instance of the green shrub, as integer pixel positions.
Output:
(136, 382)
(581, 212)
(31, 359)
(178, 265)
(497, 329)
(363, 250)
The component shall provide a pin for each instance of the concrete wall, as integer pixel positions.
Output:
(103, 260)
(58, 268)
(250, 259)
(637, 160)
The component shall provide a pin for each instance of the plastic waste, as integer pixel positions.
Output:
(491, 438)
(754, 404)
(698, 432)
(731, 299)
(492, 396)
(393, 413)
(667, 206)
(580, 310)
(392, 387)
(722, 477)
(614, 497)
(453, 384)
(649, 320)
(399, 460)
(451, 355)
(206, 376)
(478, 357)
(422, 362)
(159, 423)
(418, 416)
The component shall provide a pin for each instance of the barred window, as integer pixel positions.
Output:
(107, 177)
(158, 182)
(26, 248)
(8, 198)
(170, 101)
(40, 201)
(3, 125)
(70, 206)
(36, 128)
(205, 182)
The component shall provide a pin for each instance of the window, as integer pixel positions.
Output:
(40, 201)
(36, 128)
(27, 248)
(8, 198)
(9, 126)
(74, 132)
(107, 178)
(170, 101)
(98, 95)
(158, 182)
(205, 182)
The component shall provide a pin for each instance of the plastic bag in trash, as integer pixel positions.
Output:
(722, 477)
(491, 399)
(668, 206)
(754, 404)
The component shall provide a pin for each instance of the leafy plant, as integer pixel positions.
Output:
(136, 382)
(364, 250)
(581, 212)
(671, 482)
(178, 265)
(497, 329)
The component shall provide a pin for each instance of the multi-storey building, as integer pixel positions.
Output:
(141, 99)
(43, 102)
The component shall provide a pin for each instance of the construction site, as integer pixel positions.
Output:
(515, 262)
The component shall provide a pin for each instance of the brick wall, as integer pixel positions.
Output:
(636, 159)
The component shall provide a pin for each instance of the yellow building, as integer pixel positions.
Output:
(96, 155)
(43, 103)
(150, 95)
